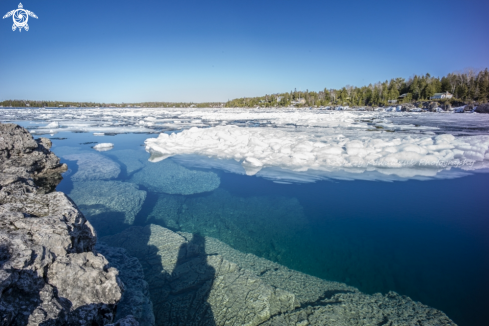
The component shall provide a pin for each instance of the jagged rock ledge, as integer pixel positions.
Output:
(49, 273)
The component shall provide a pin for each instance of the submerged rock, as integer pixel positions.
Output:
(48, 272)
(126, 321)
(189, 287)
(167, 211)
(92, 166)
(262, 225)
(109, 205)
(129, 158)
(171, 178)
(201, 281)
(135, 301)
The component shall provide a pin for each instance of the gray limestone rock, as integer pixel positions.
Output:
(169, 177)
(307, 288)
(482, 108)
(48, 272)
(92, 166)
(135, 300)
(110, 206)
(356, 309)
(25, 157)
(201, 281)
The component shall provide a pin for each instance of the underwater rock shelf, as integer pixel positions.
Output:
(195, 280)
(49, 273)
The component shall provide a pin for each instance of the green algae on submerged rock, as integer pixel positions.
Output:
(109, 205)
(197, 280)
(168, 177)
(167, 210)
(262, 225)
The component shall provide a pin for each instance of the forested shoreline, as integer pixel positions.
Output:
(467, 87)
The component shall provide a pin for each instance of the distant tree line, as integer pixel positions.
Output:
(469, 86)
(29, 103)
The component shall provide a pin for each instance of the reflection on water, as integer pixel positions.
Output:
(424, 239)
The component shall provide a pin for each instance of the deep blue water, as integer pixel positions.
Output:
(428, 240)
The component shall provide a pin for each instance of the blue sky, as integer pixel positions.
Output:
(133, 51)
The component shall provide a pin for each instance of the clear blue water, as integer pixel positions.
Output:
(428, 240)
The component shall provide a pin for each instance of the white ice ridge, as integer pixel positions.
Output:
(102, 147)
(384, 152)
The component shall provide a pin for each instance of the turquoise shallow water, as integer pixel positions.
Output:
(425, 239)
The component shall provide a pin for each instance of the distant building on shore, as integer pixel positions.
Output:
(439, 96)
(299, 101)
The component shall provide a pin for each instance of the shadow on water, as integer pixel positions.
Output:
(180, 281)
(190, 285)
(179, 277)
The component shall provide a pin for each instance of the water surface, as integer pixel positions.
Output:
(428, 239)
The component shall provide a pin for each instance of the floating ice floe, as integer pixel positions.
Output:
(145, 120)
(102, 147)
(319, 127)
(390, 153)
(53, 124)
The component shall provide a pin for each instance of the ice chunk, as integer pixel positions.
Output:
(53, 124)
(252, 165)
(102, 147)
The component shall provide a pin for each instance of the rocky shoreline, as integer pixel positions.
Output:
(49, 273)
(53, 271)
